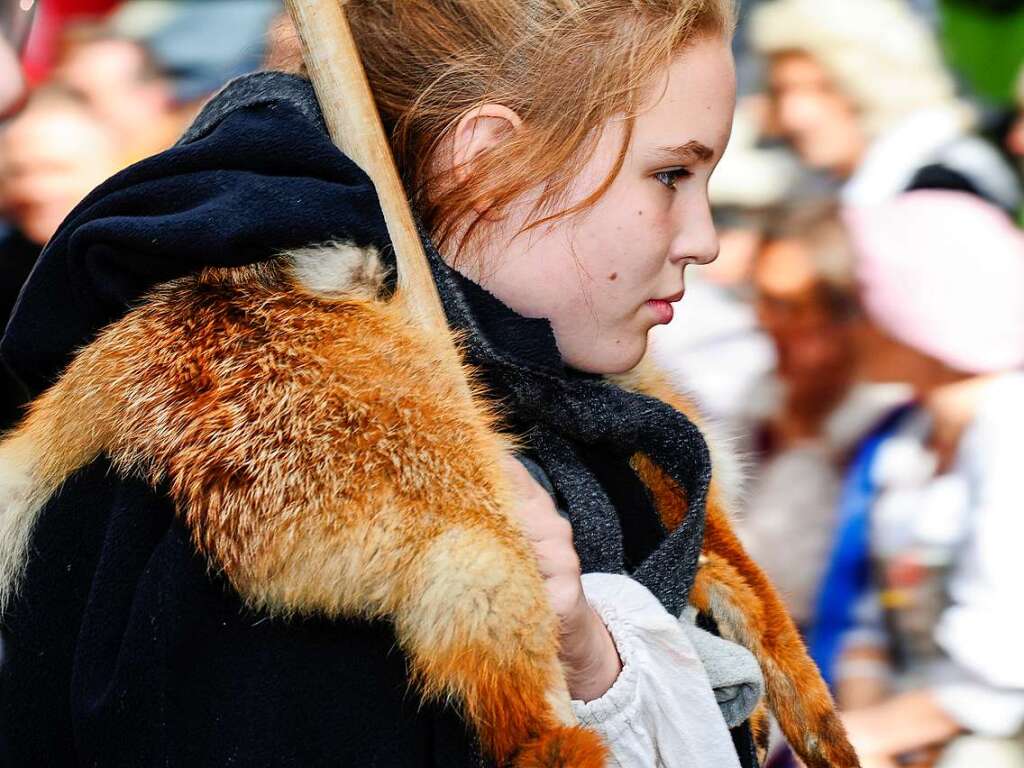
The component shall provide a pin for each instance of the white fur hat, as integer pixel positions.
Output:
(879, 52)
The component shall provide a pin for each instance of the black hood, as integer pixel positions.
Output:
(255, 174)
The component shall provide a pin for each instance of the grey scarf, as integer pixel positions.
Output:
(562, 411)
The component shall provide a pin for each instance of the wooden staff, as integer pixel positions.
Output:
(336, 70)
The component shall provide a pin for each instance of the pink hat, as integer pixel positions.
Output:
(943, 272)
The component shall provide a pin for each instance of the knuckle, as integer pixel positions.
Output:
(573, 565)
(560, 526)
(563, 594)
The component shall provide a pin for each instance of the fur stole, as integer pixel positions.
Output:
(326, 464)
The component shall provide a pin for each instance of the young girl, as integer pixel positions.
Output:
(557, 154)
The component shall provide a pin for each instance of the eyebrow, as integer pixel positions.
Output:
(688, 152)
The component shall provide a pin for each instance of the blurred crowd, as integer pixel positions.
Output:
(102, 84)
(860, 338)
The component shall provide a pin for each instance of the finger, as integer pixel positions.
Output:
(523, 483)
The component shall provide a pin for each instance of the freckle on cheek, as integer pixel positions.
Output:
(639, 213)
(613, 276)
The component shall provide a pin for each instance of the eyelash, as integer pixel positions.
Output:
(671, 176)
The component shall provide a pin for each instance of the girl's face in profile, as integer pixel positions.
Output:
(605, 277)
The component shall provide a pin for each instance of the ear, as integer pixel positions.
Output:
(480, 129)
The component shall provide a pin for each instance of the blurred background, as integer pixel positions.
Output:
(859, 340)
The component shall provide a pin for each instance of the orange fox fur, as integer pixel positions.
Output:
(327, 465)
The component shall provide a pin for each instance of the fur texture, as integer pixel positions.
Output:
(732, 589)
(327, 464)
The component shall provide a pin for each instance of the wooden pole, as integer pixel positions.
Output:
(336, 70)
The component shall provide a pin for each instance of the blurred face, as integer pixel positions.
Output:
(814, 349)
(53, 155)
(811, 113)
(604, 278)
(883, 359)
(109, 76)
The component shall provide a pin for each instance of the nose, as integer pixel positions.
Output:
(695, 240)
(796, 112)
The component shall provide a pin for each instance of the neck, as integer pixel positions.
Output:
(953, 406)
(847, 167)
(808, 407)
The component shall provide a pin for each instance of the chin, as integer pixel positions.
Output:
(815, 156)
(615, 359)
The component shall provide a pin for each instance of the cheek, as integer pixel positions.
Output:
(626, 248)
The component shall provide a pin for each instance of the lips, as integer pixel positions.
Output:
(673, 298)
(663, 307)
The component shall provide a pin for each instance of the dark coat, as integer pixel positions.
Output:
(17, 256)
(123, 648)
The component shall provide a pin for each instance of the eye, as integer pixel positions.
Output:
(671, 176)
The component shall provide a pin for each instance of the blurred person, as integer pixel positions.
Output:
(42, 49)
(16, 255)
(15, 23)
(802, 420)
(51, 155)
(12, 84)
(54, 152)
(123, 86)
(878, 112)
(928, 654)
(199, 44)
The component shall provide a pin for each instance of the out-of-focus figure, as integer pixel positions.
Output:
(16, 255)
(123, 86)
(51, 155)
(803, 419)
(860, 91)
(199, 44)
(924, 583)
(54, 152)
(15, 22)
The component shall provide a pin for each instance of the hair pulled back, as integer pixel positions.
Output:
(565, 66)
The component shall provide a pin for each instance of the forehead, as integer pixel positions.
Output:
(693, 101)
(784, 267)
(795, 69)
(55, 129)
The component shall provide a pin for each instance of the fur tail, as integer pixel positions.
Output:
(327, 465)
(732, 588)
(735, 591)
(64, 430)
(477, 626)
(564, 748)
